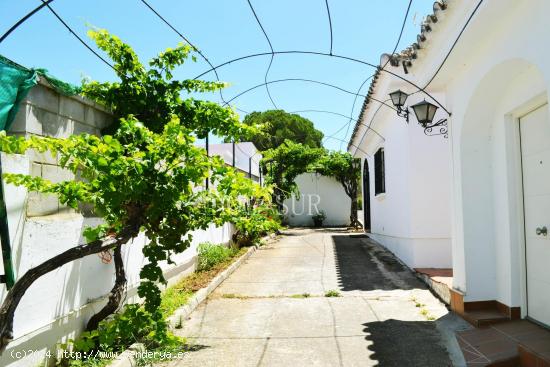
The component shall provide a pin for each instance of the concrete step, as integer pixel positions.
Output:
(482, 318)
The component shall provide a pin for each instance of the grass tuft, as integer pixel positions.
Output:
(210, 255)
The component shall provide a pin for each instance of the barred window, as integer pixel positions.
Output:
(379, 172)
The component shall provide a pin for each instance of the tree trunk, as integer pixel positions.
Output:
(116, 293)
(15, 294)
(350, 189)
(354, 222)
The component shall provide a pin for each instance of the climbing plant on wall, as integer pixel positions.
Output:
(143, 176)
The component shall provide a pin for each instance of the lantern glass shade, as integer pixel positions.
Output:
(425, 112)
(398, 98)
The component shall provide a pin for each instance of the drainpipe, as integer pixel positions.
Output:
(8, 276)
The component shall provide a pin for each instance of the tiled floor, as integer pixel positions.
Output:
(500, 343)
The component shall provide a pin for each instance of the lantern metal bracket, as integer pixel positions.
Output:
(403, 113)
(437, 128)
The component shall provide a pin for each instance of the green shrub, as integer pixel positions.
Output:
(116, 334)
(211, 254)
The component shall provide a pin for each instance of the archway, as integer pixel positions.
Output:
(366, 196)
(492, 216)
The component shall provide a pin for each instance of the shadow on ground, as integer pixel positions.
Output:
(365, 266)
(398, 343)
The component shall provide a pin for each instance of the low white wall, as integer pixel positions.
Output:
(318, 193)
(58, 305)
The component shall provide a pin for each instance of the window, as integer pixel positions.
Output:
(379, 172)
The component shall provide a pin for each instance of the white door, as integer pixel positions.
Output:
(535, 153)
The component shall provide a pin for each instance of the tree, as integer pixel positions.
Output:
(153, 96)
(143, 177)
(276, 126)
(345, 169)
(284, 163)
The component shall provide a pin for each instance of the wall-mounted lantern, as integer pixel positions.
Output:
(398, 99)
(424, 112)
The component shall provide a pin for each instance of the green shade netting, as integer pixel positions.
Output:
(15, 83)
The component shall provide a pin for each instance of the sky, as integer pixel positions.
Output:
(225, 30)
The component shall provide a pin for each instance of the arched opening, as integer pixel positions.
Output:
(366, 196)
(492, 192)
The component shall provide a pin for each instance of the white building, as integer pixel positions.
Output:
(489, 183)
(406, 179)
(244, 156)
(317, 193)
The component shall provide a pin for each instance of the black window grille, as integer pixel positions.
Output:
(379, 172)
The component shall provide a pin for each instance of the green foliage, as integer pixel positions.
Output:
(161, 354)
(152, 94)
(173, 298)
(258, 222)
(136, 179)
(249, 208)
(210, 254)
(147, 176)
(133, 325)
(340, 165)
(347, 170)
(332, 293)
(276, 126)
(89, 362)
(284, 163)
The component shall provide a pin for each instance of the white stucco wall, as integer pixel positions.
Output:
(412, 218)
(497, 72)
(506, 75)
(318, 192)
(58, 305)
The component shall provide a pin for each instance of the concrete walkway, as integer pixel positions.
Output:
(260, 316)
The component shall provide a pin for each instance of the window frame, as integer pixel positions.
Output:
(379, 172)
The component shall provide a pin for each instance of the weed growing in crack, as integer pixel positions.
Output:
(332, 293)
